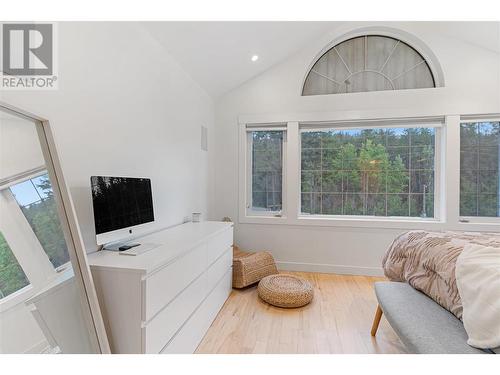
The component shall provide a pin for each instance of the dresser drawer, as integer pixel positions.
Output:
(161, 287)
(219, 268)
(191, 334)
(218, 244)
(163, 326)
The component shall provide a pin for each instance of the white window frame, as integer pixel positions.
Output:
(437, 125)
(341, 80)
(476, 219)
(26, 249)
(248, 174)
(14, 299)
(407, 38)
(23, 177)
(23, 242)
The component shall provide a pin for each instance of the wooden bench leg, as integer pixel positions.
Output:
(376, 320)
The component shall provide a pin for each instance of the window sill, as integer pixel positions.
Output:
(430, 224)
(371, 222)
(262, 219)
(271, 214)
(16, 298)
(349, 221)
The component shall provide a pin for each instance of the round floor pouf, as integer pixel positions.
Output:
(285, 291)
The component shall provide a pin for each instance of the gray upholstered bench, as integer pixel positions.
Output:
(422, 325)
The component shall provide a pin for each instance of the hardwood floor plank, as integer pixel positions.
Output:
(338, 320)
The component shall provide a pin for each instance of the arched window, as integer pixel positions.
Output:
(368, 63)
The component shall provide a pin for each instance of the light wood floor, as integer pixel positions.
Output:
(337, 321)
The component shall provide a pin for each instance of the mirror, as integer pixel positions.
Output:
(47, 300)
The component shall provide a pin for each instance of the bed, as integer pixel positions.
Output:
(422, 301)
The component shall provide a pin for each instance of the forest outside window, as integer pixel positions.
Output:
(367, 171)
(265, 161)
(35, 198)
(12, 276)
(480, 169)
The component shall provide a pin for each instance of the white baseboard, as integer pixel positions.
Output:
(330, 268)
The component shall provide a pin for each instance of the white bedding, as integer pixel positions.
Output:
(478, 280)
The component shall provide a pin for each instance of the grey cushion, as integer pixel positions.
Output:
(422, 324)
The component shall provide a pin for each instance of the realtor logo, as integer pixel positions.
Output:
(28, 56)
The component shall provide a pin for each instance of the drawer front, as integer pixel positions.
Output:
(219, 268)
(162, 287)
(163, 326)
(189, 337)
(218, 244)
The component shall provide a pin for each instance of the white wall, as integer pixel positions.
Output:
(472, 85)
(124, 107)
(20, 332)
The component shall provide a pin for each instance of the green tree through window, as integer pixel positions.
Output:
(480, 169)
(376, 172)
(36, 200)
(12, 277)
(267, 170)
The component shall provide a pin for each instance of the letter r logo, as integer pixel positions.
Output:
(27, 49)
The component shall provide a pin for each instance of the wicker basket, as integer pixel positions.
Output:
(249, 268)
(285, 291)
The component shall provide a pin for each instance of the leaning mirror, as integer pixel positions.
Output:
(47, 300)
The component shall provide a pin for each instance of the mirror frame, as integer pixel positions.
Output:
(71, 230)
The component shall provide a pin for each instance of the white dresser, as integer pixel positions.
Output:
(164, 300)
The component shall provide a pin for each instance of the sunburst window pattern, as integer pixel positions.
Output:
(368, 63)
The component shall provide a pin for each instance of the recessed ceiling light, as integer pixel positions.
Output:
(255, 58)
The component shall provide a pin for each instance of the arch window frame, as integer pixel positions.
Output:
(400, 36)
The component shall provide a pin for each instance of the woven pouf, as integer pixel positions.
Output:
(285, 291)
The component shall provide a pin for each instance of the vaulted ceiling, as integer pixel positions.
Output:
(218, 54)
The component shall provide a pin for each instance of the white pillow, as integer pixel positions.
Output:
(478, 280)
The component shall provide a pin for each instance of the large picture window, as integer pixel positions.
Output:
(265, 172)
(480, 169)
(368, 171)
(388, 173)
(36, 200)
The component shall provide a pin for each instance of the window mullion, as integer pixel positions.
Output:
(410, 170)
(292, 172)
(249, 157)
(451, 198)
(478, 155)
(36, 190)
